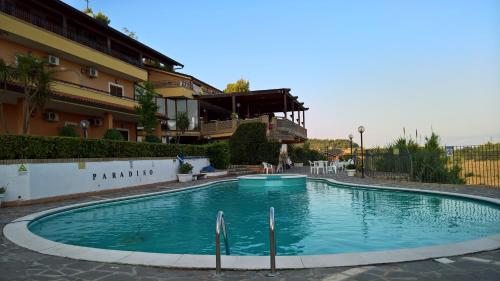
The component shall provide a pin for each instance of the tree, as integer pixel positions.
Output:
(147, 108)
(102, 18)
(36, 81)
(5, 75)
(113, 134)
(239, 86)
(182, 124)
(89, 12)
(130, 33)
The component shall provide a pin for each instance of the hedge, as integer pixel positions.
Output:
(249, 145)
(218, 152)
(35, 147)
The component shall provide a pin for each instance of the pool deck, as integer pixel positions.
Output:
(17, 263)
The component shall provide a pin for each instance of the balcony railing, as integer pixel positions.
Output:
(285, 126)
(97, 91)
(172, 84)
(55, 28)
(281, 129)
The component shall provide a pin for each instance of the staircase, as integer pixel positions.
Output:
(239, 170)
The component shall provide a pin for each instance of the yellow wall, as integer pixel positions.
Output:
(40, 127)
(75, 73)
(52, 40)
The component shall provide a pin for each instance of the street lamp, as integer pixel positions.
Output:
(238, 106)
(84, 124)
(350, 138)
(361, 130)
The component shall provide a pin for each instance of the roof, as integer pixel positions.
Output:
(68, 10)
(271, 100)
(181, 75)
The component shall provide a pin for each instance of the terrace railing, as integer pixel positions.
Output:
(58, 29)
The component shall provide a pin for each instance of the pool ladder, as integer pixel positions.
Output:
(220, 224)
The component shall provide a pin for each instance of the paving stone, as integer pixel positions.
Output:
(17, 263)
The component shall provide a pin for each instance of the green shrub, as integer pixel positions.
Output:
(351, 167)
(218, 152)
(249, 145)
(35, 147)
(152, 139)
(186, 168)
(68, 131)
(113, 134)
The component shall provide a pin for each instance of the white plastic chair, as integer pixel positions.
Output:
(267, 167)
(279, 168)
(314, 167)
(321, 165)
(331, 168)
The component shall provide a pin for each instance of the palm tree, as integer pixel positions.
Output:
(36, 80)
(5, 75)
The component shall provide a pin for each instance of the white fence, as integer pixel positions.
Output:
(32, 181)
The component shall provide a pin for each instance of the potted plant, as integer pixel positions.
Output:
(351, 170)
(185, 173)
(2, 194)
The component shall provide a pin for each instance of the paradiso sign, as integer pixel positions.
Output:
(115, 175)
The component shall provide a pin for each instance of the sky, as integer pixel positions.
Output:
(422, 65)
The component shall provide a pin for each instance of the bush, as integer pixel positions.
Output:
(68, 131)
(113, 134)
(152, 139)
(2, 190)
(218, 152)
(186, 168)
(351, 167)
(35, 147)
(249, 145)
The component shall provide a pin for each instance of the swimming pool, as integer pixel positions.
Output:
(317, 218)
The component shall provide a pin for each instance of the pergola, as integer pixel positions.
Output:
(252, 104)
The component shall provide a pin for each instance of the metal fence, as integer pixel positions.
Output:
(471, 165)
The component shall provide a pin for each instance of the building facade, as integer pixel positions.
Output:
(98, 73)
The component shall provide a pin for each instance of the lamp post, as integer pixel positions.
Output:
(350, 138)
(238, 108)
(84, 124)
(361, 130)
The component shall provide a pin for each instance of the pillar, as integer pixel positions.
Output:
(304, 118)
(285, 110)
(108, 121)
(19, 117)
(158, 129)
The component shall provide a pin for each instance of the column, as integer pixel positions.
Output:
(108, 121)
(158, 130)
(285, 110)
(19, 117)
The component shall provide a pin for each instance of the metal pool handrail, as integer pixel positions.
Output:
(218, 225)
(272, 242)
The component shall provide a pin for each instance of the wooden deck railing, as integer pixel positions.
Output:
(282, 129)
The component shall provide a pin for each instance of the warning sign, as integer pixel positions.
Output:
(22, 169)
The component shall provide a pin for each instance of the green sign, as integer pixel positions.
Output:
(22, 169)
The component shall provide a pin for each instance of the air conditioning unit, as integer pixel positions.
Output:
(53, 60)
(97, 122)
(51, 116)
(92, 72)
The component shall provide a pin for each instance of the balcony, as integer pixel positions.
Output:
(40, 32)
(174, 88)
(282, 130)
(88, 93)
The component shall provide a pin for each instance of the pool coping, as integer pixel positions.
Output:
(17, 232)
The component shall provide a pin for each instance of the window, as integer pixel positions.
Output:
(116, 90)
(176, 106)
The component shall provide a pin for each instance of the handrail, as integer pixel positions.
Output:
(218, 225)
(272, 242)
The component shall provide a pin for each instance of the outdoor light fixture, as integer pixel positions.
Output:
(350, 138)
(84, 124)
(361, 130)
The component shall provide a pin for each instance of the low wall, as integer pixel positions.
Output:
(31, 181)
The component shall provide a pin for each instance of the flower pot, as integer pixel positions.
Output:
(184, 177)
(351, 173)
(298, 164)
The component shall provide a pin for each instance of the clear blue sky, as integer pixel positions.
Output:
(382, 64)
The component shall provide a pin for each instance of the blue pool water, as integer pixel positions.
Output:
(312, 218)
